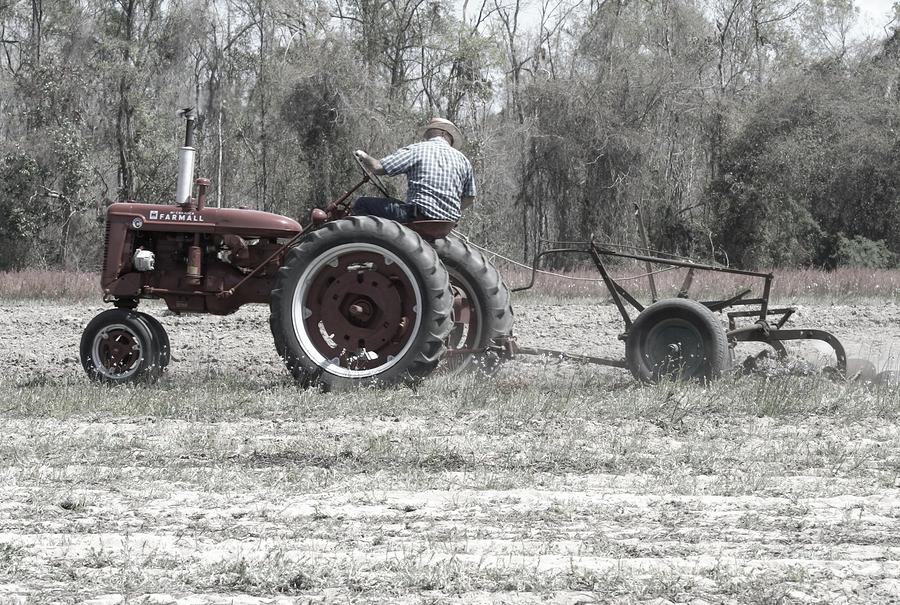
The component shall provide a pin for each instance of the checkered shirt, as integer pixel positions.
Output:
(437, 176)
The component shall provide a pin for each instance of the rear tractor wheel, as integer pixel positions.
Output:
(482, 313)
(677, 338)
(361, 301)
(118, 346)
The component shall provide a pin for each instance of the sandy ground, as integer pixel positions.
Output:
(434, 503)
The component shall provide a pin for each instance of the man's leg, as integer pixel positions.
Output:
(383, 207)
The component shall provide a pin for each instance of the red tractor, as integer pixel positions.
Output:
(353, 299)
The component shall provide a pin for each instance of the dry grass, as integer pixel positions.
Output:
(583, 488)
(840, 286)
(49, 285)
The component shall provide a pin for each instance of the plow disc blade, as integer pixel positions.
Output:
(775, 338)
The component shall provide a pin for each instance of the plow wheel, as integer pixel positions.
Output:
(117, 346)
(481, 308)
(677, 338)
(361, 301)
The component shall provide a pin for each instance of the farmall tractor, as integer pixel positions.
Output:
(354, 300)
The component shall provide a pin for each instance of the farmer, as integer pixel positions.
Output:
(440, 183)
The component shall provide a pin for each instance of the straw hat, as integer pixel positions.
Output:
(445, 125)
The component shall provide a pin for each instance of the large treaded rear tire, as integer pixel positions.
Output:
(480, 287)
(387, 313)
(677, 338)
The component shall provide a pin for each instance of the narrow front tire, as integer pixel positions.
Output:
(117, 347)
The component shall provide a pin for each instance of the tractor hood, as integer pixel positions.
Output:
(248, 223)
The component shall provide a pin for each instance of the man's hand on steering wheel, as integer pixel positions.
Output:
(369, 165)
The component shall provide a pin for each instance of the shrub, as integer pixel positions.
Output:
(21, 209)
(859, 251)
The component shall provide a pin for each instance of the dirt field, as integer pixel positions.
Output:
(553, 483)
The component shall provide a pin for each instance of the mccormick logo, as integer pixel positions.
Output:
(184, 217)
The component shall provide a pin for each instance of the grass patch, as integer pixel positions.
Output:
(49, 285)
(506, 405)
(743, 430)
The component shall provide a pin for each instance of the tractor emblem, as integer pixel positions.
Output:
(183, 217)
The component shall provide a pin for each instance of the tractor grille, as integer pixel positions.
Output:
(106, 267)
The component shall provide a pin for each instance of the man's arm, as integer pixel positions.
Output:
(370, 162)
(466, 201)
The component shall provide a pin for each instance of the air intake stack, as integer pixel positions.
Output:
(186, 155)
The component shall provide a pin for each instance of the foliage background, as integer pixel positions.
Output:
(755, 132)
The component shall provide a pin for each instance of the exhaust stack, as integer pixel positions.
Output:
(186, 155)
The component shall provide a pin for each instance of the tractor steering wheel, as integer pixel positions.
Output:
(371, 176)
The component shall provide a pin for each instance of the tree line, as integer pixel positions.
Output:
(754, 132)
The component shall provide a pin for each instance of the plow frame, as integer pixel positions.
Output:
(767, 326)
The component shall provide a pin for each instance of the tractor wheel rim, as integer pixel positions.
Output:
(356, 310)
(465, 334)
(675, 347)
(117, 352)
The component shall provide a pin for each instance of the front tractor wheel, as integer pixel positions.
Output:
(117, 346)
(162, 338)
(361, 301)
(677, 338)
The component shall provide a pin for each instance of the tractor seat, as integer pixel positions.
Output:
(432, 230)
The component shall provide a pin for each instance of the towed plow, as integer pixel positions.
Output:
(680, 336)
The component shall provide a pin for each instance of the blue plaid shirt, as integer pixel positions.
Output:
(437, 177)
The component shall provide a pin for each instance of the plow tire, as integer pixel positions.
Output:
(677, 338)
(118, 347)
(367, 283)
(479, 283)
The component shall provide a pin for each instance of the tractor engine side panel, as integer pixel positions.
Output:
(225, 258)
(218, 274)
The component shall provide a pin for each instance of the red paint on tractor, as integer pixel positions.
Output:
(239, 221)
(199, 254)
